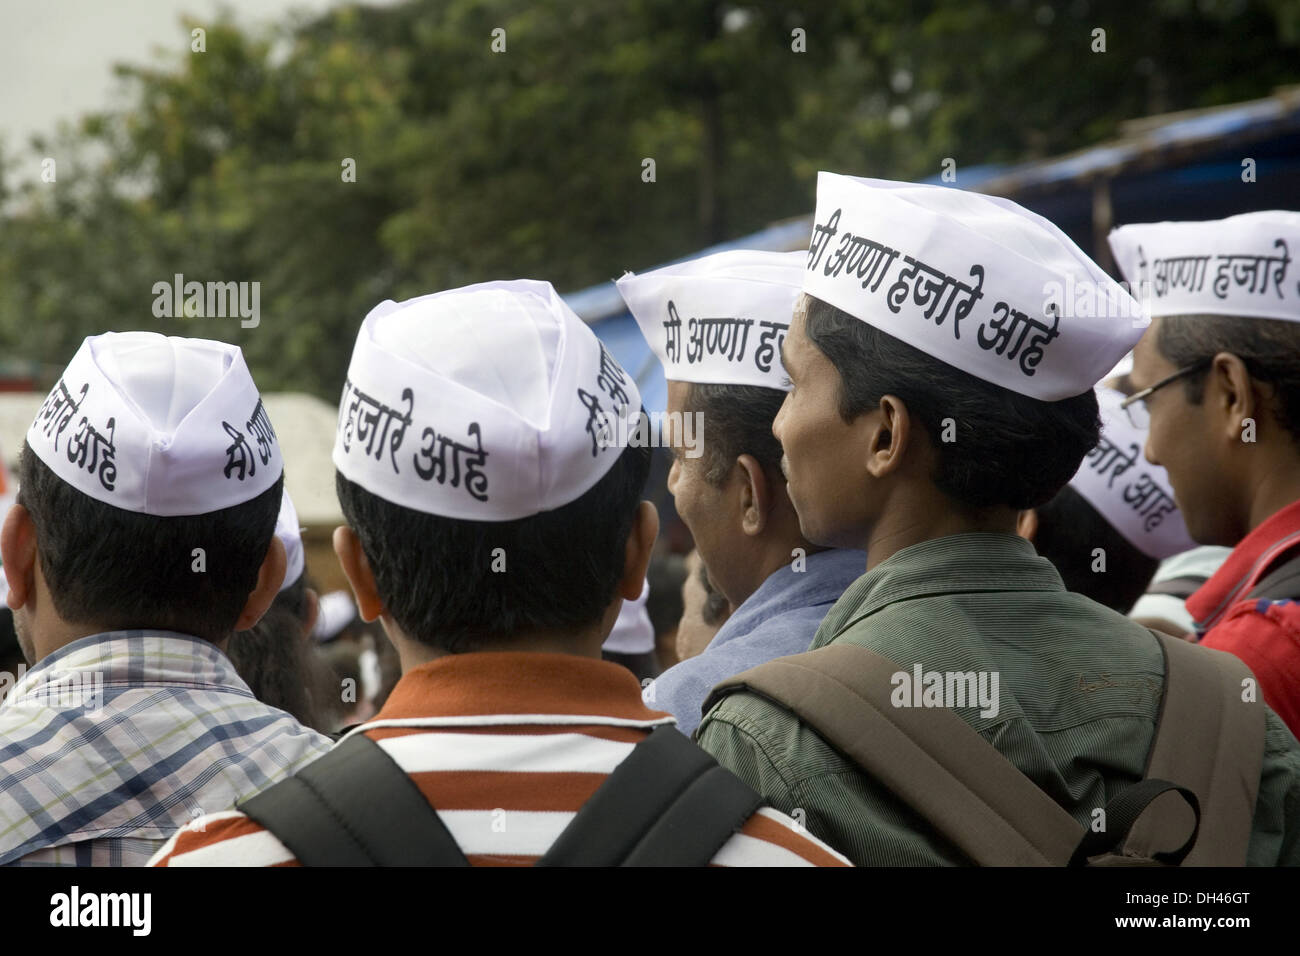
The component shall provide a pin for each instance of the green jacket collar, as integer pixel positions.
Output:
(954, 564)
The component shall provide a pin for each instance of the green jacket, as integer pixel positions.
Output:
(1078, 695)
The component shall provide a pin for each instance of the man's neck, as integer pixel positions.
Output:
(51, 636)
(413, 653)
(771, 555)
(54, 636)
(902, 528)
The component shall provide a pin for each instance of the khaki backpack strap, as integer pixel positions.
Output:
(1211, 742)
(927, 756)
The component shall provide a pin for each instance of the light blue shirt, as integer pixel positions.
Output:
(778, 619)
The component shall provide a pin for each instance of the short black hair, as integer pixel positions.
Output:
(1069, 531)
(739, 420)
(1010, 449)
(119, 569)
(277, 663)
(1269, 348)
(435, 574)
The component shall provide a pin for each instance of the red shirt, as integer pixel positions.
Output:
(1264, 633)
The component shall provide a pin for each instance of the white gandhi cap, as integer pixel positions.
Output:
(975, 281)
(290, 535)
(488, 403)
(1239, 266)
(158, 425)
(719, 319)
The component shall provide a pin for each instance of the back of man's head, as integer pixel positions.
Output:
(152, 477)
(554, 570)
(501, 504)
(119, 569)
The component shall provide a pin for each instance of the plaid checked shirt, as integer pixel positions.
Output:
(115, 741)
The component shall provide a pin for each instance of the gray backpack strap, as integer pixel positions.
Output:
(928, 756)
(355, 807)
(1211, 742)
(668, 803)
(1281, 583)
(1181, 587)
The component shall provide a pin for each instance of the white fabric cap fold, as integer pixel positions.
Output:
(290, 535)
(1200, 562)
(337, 611)
(632, 632)
(975, 281)
(1236, 266)
(488, 403)
(1123, 367)
(720, 319)
(1132, 494)
(159, 425)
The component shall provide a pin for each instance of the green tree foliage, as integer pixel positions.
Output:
(473, 164)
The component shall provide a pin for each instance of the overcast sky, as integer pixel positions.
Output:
(56, 56)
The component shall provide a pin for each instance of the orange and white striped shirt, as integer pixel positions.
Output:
(507, 747)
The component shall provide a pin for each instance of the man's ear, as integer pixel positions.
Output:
(1234, 393)
(1027, 524)
(755, 494)
(269, 578)
(636, 556)
(891, 432)
(18, 553)
(356, 568)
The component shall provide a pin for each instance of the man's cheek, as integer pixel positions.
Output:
(686, 499)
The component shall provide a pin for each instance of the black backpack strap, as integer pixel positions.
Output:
(1182, 587)
(340, 734)
(1123, 811)
(355, 807)
(667, 804)
(1282, 582)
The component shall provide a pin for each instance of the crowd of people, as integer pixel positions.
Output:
(996, 561)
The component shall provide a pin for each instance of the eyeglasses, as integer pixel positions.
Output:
(1138, 415)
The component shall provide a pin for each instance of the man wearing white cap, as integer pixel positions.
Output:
(1108, 529)
(1218, 372)
(141, 540)
(939, 389)
(496, 532)
(717, 324)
